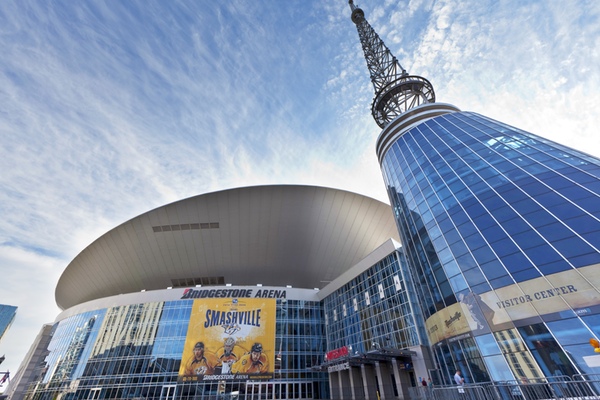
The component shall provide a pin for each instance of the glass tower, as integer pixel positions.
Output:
(501, 230)
(7, 316)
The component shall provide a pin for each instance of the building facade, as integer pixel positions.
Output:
(175, 303)
(500, 229)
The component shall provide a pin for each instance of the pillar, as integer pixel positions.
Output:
(384, 377)
(356, 384)
(369, 381)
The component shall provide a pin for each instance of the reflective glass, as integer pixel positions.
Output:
(550, 357)
(570, 331)
(487, 344)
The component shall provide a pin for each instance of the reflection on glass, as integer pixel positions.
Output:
(517, 355)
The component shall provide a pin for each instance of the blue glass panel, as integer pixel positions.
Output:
(515, 226)
(484, 221)
(458, 283)
(575, 193)
(554, 232)
(452, 236)
(467, 229)
(550, 199)
(566, 210)
(593, 322)
(459, 248)
(494, 233)
(474, 209)
(451, 268)
(493, 269)
(570, 331)
(572, 247)
(584, 260)
(482, 288)
(542, 255)
(445, 224)
(466, 262)
(501, 282)
(447, 293)
(539, 217)
(592, 237)
(583, 224)
(476, 185)
(504, 213)
(483, 255)
(526, 275)
(475, 241)
(487, 345)
(504, 247)
(488, 173)
(590, 204)
(554, 267)
(533, 187)
(526, 206)
(528, 239)
(516, 262)
(474, 276)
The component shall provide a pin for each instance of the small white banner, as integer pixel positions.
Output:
(339, 367)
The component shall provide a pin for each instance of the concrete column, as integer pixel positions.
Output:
(384, 377)
(346, 384)
(356, 383)
(401, 384)
(369, 381)
(334, 385)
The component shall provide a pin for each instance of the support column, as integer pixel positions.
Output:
(356, 383)
(401, 384)
(346, 384)
(369, 381)
(334, 385)
(384, 377)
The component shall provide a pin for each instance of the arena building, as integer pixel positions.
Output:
(175, 302)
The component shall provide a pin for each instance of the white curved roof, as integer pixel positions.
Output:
(303, 236)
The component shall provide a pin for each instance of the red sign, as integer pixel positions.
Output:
(337, 353)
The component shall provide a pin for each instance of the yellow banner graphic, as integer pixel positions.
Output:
(229, 339)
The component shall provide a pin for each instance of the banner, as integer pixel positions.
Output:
(229, 339)
(497, 309)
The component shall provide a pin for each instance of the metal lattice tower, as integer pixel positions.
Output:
(395, 90)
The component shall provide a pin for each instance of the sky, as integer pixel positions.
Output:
(109, 109)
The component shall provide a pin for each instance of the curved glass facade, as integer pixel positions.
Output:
(135, 351)
(501, 230)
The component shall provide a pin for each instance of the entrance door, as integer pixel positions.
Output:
(168, 392)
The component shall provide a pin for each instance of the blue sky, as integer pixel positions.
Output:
(111, 108)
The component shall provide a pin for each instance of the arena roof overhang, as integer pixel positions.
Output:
(303, 236)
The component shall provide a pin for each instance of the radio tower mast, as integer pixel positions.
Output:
(395, 90)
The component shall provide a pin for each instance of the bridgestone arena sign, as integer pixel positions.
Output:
(233, 293)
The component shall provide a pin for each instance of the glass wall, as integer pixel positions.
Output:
(495, 204)
(503, 228)
(376, 309)
(134, 351)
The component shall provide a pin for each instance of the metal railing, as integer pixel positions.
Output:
(580, 387)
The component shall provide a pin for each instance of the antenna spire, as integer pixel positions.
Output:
(395, 90)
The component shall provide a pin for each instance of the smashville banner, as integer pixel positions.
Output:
(229, 338)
